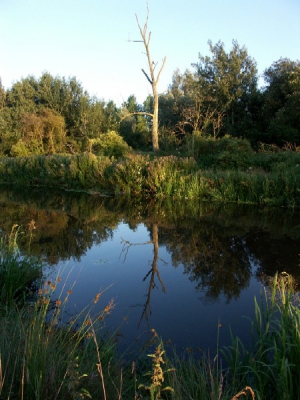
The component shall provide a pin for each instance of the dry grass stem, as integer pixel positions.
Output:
(99, 364)
(244, 393)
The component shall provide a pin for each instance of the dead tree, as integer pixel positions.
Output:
(152, 78)
(152, 273)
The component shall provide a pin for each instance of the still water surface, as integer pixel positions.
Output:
(186, 270)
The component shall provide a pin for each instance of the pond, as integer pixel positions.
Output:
(189, 271)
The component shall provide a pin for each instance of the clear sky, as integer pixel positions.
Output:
(89, 38)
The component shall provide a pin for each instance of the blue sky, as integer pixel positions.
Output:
(89, 38)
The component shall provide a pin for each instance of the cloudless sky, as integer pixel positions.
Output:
(88, 39)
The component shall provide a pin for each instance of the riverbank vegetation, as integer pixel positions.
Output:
(226, 170)
(45, 356)
(221, 136)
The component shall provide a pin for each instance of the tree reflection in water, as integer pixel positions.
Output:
(152, 273)
(221, 249)
(217, 262)
(214, 243)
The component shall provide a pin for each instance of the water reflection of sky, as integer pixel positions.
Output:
(181, 313)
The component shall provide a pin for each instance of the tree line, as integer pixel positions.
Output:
(220, 95)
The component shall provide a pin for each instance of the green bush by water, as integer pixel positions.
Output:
(227, 170)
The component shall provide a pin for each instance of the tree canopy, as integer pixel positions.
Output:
(218, 96)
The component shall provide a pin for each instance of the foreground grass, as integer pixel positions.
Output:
(42, 357)
(228, 176)
(272, 365)
(18, 273)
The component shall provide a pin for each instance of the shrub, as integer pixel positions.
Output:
(129, 175)
(168, 141)
(20, 149)
(110, 144)
(224, 153)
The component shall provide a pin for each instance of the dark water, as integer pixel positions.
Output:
(187, 270)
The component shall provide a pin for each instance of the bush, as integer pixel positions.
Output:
(110, 144)
(168, 141)
(225, 153)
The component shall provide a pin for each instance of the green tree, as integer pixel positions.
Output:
(216, 98)
(7, 134)
(42, 133)
(22, 97)
(19, 99)
(134, 124)
(2, 95)
(28, 100)
(226, 78)
(281, 110)
(5, 123)
(112, 118)
(68, 98)
(194, 109)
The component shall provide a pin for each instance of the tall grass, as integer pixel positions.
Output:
(83, 171)
(18, 273)
(272, 365)
(43, 358)
(264, 179)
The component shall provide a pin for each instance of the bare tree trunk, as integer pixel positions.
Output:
(153, 80)
(155, 144)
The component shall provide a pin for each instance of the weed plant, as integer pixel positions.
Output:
(19, 273)
(268, 179)
(272, 365)
(83, 171)
(43, 358)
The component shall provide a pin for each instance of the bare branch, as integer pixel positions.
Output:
(146, 75)
(161, 68)
(136, 113)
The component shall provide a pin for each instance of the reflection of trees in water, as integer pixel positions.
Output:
(274, 252)
(152, 273)
(72, 241)
(67, 225)
(213, 243)
(217, 263)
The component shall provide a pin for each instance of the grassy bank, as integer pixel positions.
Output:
(245, 177)
(42, 357)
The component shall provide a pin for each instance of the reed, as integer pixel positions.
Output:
(275, 182)
(43, 358)
(19, 273)
(271, 366)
